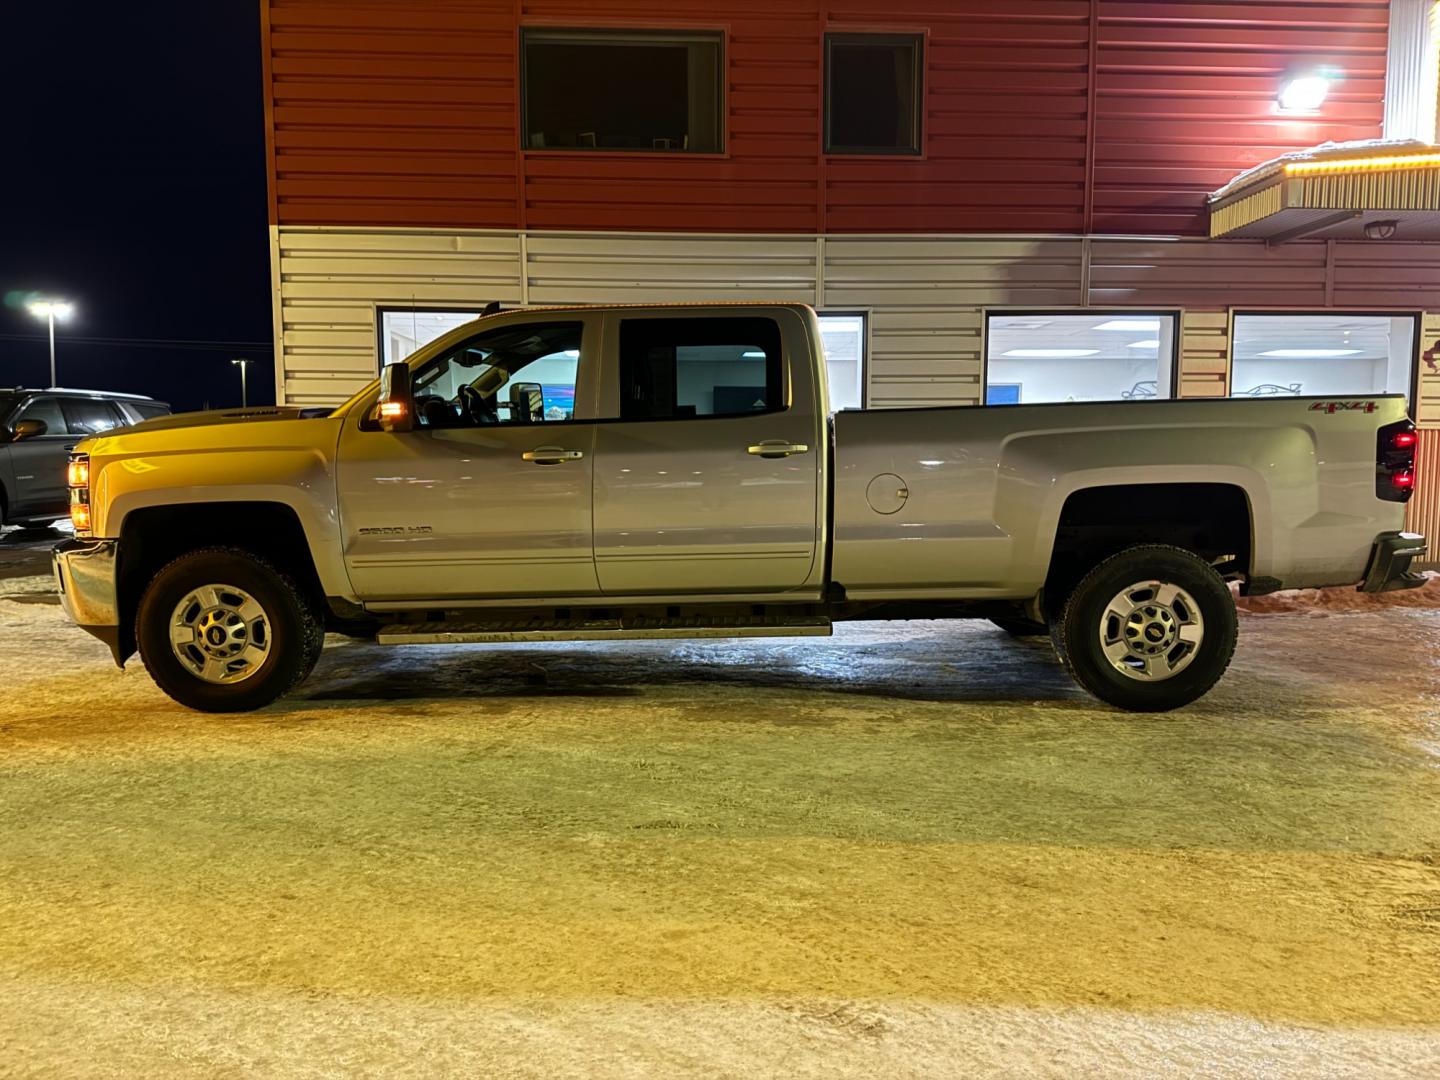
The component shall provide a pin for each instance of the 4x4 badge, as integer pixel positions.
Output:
(1343, 406)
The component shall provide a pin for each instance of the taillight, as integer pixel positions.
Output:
(77, 476)
(1395, 446)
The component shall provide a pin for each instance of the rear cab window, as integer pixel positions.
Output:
(692, 368)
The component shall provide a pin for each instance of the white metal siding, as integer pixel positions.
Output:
(331, 280)
(926, 296)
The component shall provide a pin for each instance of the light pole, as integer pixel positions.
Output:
(243, 365)
(50, 310)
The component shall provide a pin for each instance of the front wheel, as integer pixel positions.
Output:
(1150, 629)
(222, 630)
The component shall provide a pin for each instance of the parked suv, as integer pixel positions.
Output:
(38, 429)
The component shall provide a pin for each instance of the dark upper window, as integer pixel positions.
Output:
(873, 93)
(89, 416)
(621, 90)
(680, 368)
(149, 410)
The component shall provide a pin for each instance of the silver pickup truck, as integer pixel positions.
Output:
(584, 473)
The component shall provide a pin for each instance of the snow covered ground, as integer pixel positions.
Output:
(910, 850)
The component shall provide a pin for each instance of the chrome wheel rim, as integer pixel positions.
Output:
(220, 634)
(1151, 631)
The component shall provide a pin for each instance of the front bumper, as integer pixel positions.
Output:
(86, 575)
(1389, 566)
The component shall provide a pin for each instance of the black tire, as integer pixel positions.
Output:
(297, 632)
(1021, 627)
(1083, 622)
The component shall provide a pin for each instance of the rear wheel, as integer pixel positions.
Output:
(222, 630)
(1149, 629)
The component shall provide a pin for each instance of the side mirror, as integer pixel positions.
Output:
(396, 408)
(527, 402)
(30, 429)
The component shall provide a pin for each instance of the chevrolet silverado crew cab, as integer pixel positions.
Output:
(585, 473)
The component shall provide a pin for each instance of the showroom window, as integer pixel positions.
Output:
(842, 335)
(672, 369)
(873, 93)
(403, 330)
(621, 90)
(1034, 358)
(1284, 355)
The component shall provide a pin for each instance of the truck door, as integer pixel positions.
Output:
(489, 497)
(708, 478)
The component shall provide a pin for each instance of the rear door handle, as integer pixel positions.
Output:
(777, 448)
(551, 455)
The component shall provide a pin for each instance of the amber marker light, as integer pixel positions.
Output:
(80, 517)
(1366, 164)
(392, 410)
(77, 473)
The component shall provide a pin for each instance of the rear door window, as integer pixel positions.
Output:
(697, 367)
(89, 416)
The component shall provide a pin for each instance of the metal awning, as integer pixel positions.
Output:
(1354, 191)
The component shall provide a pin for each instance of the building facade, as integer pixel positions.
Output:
(989, 201)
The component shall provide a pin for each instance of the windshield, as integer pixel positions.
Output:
(512, 375)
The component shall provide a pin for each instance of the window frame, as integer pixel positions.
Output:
(1412, 392)
(691, 34)
(1176, 336)
(918, 39)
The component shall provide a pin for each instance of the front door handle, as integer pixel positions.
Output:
(778, 448)
(551, 455)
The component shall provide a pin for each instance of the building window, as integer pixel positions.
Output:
(673, 369)
(621, 90)
(405, 330)
(842, 335)
(1289, 355)
(873, 93)
(1098, 356)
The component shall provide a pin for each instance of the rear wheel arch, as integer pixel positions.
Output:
(1215, 521)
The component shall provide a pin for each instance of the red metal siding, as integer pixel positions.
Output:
(1040, 115)
(1185, 97)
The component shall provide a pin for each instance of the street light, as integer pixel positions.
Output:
(243, 365)
(50, 310)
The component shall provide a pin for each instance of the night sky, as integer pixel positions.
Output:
(133, 184)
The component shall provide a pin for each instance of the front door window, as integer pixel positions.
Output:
(513, 375)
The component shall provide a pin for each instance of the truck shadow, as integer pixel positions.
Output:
(991, 666)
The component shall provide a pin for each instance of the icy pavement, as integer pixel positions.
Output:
(911, 850)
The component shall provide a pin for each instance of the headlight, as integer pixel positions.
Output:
(77, 477)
